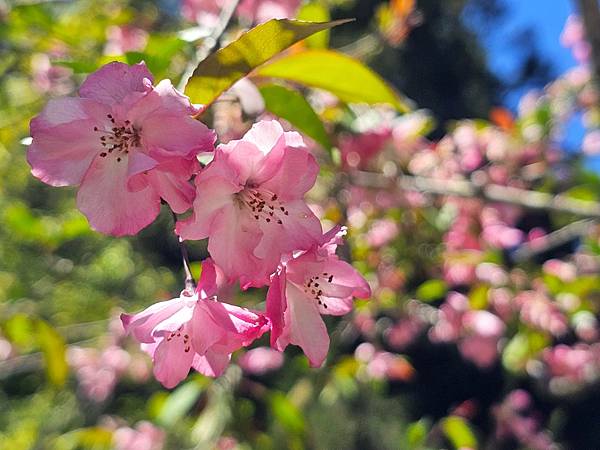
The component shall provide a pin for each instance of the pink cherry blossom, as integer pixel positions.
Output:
(98, 372)
(359, 149)
(194, 331)
(113, 142)
(144, 436)
(482, 332)
(261, 360)
(123, 39)
(312, 283)
(250, 203)
(203, 12)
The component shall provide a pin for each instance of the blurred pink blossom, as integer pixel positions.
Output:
(515, 420)
(539, 311)
(258, 11)
(261, 360)
(482, 331)
(123, 39)
(566, 271)
(359, 149)
(591, 143)
(382, 232)
(145, 436)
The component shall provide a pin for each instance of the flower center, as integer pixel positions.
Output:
(312, 287)
(119, 139)
(177, 335)
(263, 205)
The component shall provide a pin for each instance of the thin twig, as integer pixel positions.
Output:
(190, 283)
(554, 240)
(209, 43)
(490, 192)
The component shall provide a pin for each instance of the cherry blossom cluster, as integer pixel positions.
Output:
(206, 12)
(130, 145)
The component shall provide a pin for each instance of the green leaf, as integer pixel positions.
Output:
(179, 402)
(78, 66)
(286, 413)
(54, 350)
(478, 296)
(416, 433)
(93, 438)
(432, 290)
(315, 12)
(521, 348)
(458, 432)
(347, 78)
(222, 69)
(19, 330)
(294, 108)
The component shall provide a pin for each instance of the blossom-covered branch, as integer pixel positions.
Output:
(491, 192)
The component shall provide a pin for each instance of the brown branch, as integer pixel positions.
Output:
(554, 240)
(590, 14)
(490, 192)
(210, 42)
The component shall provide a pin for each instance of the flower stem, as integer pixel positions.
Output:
(190, 283)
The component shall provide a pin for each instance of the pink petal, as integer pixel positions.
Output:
(248, 161)
(186, 137)
(171, 362)
(332, 239)
(307, 329)
(142, 325)
(173, 187)
(64, 141)
(258, 155)
(115, 81)
(212, 364)
(229, 326)
(137, 166)
(206, 332)
(265, 135)
(241, 325)
(299, 230)
(207, 284)
(231, 244)
(296, 174)
(214, 192)
(108, 205)
(345, 279)
(276, 306)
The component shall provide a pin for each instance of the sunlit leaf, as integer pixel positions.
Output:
(20, 331)
(92, 438)
(478, 296)
(53, 348)
(347, 78)
(521, 348)
(458, 432)
(294, 108)
(223, 68)
(315, 12)
(432, 290)
(416, 433)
